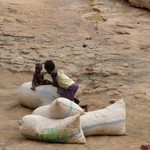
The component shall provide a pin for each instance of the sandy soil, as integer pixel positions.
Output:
(103, 45)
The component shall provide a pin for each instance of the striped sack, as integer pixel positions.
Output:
(108, 121)
(66, 130)
(60, 108)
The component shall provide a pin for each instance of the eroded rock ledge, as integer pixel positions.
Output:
(140, 3)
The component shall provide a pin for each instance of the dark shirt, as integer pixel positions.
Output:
(38, 78)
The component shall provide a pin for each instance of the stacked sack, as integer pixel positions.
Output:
(64, 121)
(58, 122)
(43, 95)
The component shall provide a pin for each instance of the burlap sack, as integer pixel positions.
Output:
(66, 130)
(108, 121)
(43, 95)
(60, 108)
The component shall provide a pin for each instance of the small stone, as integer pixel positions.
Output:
(88, 69)
(120, 84)
(88, 38)
(112, 101)
(125, 64)
(145, 147)
(84, 45)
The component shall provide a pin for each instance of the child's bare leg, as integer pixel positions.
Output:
(33, 86)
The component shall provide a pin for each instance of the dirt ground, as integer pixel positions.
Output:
(103, 45)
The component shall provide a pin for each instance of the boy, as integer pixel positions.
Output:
(38, 77)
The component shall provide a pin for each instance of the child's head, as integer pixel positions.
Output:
(49, 66)
(38, 68)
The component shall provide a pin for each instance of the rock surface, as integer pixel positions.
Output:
(140, 3)
(104, 45)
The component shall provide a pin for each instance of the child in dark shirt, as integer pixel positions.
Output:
(38, 77)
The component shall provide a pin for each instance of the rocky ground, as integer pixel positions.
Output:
(103, 45)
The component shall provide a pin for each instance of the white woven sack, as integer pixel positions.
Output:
(66, 130)
(42, 111)
(43, 95)
(60, 108)
(108, 121)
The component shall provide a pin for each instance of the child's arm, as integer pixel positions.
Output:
(53, 75)
(47, 82)
(34, 83)
(33, 86)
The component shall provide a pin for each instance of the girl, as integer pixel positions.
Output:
(66, 87)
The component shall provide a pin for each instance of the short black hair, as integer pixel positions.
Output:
(38, 65)
(49, 65)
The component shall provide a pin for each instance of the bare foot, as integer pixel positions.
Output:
(86, 108)
(76, 101)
